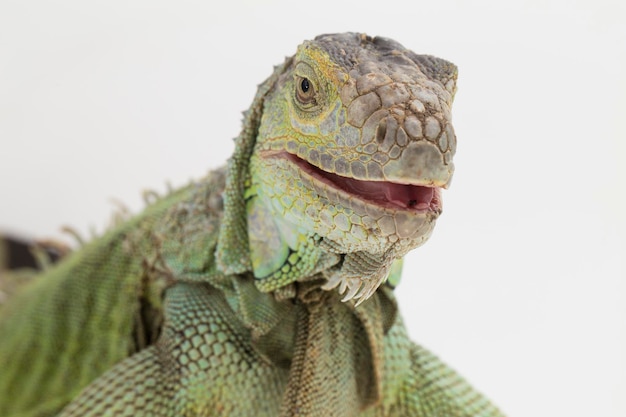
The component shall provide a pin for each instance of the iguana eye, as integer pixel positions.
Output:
(305, 92)
(304, 85)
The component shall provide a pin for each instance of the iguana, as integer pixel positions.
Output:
(265, 288)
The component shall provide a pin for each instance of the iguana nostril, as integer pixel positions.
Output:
(381, 131)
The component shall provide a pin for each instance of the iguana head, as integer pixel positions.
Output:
(352, 150)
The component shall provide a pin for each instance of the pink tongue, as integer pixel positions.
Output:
(411, 196)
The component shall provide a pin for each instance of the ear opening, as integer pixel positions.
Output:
(232, 253)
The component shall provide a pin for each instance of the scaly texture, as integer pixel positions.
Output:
(265, 288)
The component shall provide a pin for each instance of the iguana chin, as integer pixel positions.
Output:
(219, 299)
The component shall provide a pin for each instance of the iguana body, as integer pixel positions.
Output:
(219, 299)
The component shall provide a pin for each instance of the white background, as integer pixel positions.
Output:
(521, 287)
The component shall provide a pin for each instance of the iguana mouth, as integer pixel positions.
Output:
(391, 195)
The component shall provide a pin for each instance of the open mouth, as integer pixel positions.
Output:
(416, 198)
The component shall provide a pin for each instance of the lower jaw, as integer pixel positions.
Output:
(363, 226)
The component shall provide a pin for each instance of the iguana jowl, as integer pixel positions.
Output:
(219, 299)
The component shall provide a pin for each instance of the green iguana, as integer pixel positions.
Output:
(266, 288)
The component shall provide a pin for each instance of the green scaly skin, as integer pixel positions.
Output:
(265, 288)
